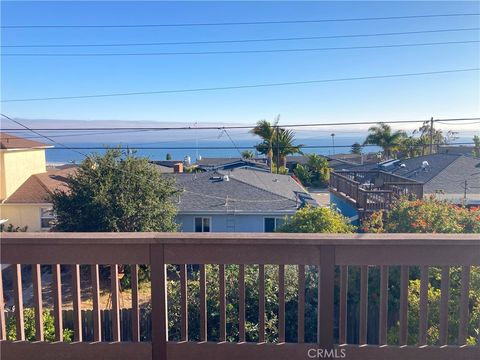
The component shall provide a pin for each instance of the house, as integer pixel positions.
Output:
(26, 183)
(237, 200)
(209, 164)
(359, 190)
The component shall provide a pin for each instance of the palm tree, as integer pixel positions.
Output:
(247, 154)
(267, 132)
(383, 136)
(284, 146)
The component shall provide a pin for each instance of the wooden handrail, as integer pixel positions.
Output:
(326, 252)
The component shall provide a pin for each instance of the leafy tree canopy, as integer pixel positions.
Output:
(317, 220)
(116, 192)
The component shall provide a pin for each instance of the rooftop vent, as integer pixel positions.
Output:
(226, 178)
(425, 165)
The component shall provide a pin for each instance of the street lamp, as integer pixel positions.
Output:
(333, 142)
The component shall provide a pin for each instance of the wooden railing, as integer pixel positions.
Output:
(373, 189)
(332, 255)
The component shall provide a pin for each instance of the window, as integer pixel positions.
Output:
(202, 224)
(271, 224)
(46, 218)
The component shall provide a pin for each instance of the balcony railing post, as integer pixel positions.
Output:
(159, 302)
(326, 296)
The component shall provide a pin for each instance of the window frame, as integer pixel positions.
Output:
(50, 218)
(276, 225)
(203, 227)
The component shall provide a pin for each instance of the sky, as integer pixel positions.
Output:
(441, 96)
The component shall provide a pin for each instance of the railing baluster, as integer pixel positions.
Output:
(463, 326)
(203, 304)
(57, 301)
(326, 286)
(18, 294)
(423, 316)
(183, 303)
(403, 305)
(37, 298)
(342, 323)
(241, 303)
(3, 330)
(97, 324)
(159, 316)
(363, 304)
(382, 336)
(261, 303)
(135, 304)
(77, 309)
(223, 319)
(444, 295)
(281, 303)
(115, 302)
(301, 304)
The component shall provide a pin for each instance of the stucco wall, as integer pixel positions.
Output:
(17, 166)
(23, 214)
(226, 223)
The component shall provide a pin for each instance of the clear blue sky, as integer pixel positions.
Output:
(451, 95)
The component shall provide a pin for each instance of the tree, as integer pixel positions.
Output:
(424, 216)
(277, 143)
(356, 148)
(476, 147)
(317, 220)
(115, 192)
(12, 228)
(382, 135)
(168, 156)
(247, 154)
(315, 172)
(266, 132)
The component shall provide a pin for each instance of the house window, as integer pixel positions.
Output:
(271, 224)
(202, 224)
(46, 218)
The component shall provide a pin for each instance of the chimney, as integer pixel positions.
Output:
(178, 168)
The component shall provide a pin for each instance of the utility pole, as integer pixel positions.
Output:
(333, 142)
(431, 136)
(278, 148)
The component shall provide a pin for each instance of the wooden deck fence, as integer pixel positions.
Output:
(325, 251)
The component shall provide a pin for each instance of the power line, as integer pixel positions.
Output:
(240, 40)
(261, 51)
(252, 86)
(267, 22)
(133, 147)
(222, 127)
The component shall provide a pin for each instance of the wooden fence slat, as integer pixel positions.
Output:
(363, 304)
(3, 330)
(423, 311)
(159, 317)
(383, 313)
(18, 295)
(241, 303)
(57, 301)
(37, 300)
(463, 325)
(281, 303)
(222, 300)
(203, 304)
(444, 295)
(183, 303)
(326, 288)
(115, 302)
(301, 304)
(135, 315)
(403, 305)
(261, 303)
(97, 328)
(77, 307)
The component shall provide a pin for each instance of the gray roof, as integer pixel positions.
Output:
(245, 191)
